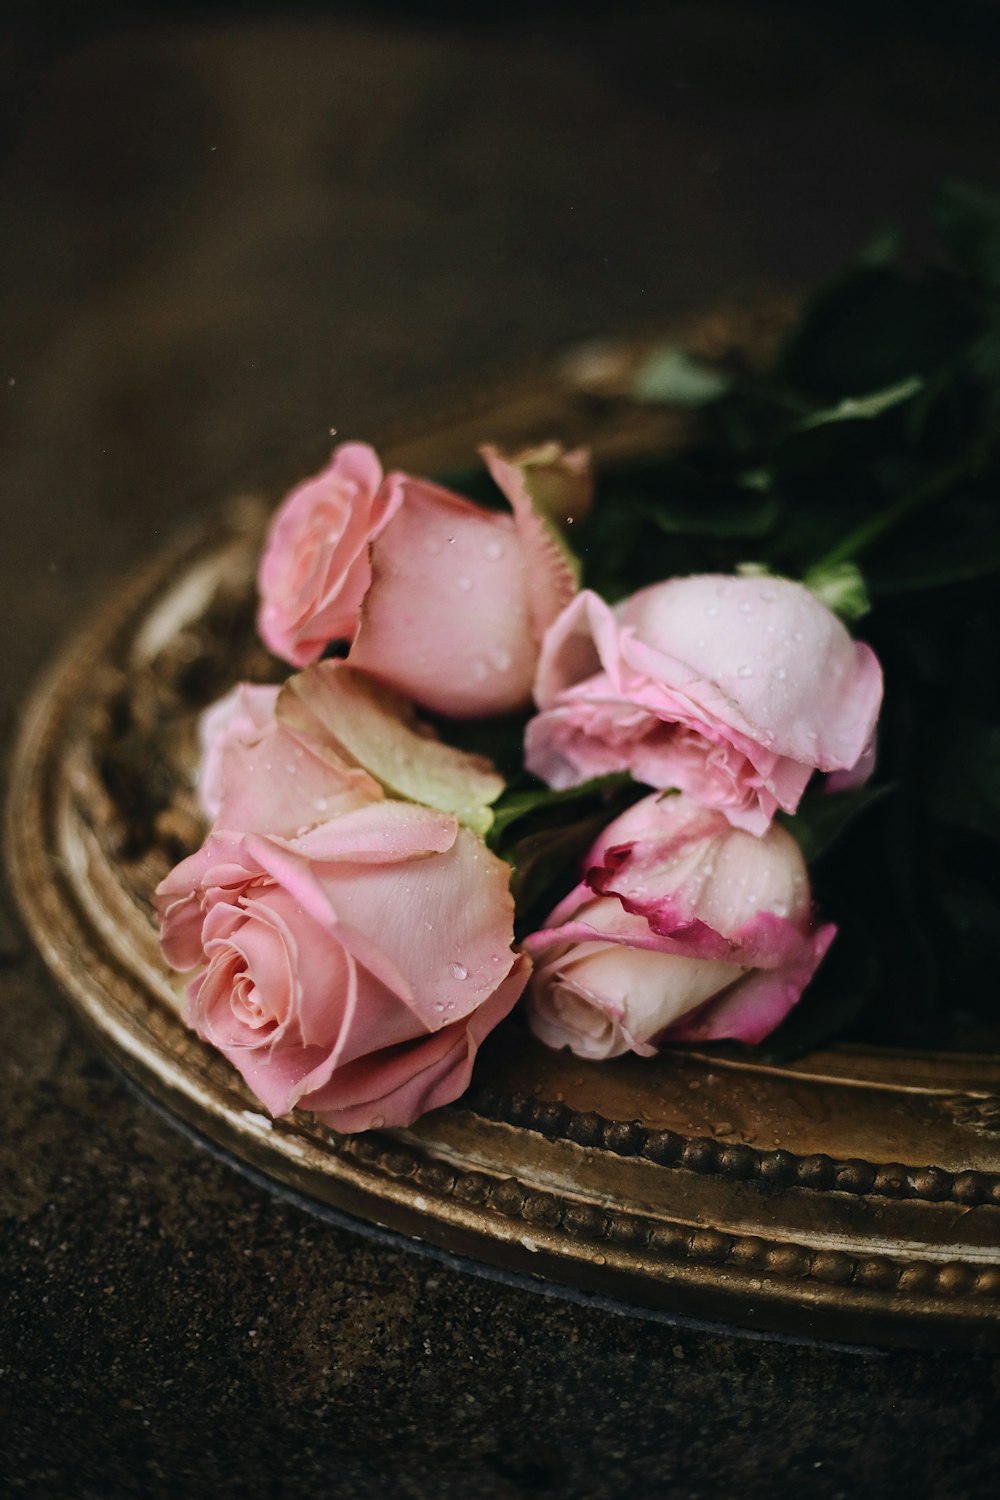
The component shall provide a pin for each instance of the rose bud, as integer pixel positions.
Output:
(683, 929)
(352, 972)
(733, 690)
(315, 568)
(461, 596)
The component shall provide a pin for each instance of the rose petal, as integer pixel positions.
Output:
(447, 621)
(373, 728)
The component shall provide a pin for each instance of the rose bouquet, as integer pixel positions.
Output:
(571, 746)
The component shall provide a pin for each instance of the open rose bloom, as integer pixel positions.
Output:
(353, 971)
(734, 690)
(683, 928)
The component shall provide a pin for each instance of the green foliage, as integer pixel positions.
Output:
(543, 835)
(822, 817)
(868, 465)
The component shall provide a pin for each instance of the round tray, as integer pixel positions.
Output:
(853, 1195)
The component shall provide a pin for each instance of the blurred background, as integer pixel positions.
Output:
(226, 229)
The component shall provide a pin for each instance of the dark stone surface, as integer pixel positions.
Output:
(224, 235)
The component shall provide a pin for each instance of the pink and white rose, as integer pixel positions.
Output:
(734, 690)
(353, 971)
(682, 929)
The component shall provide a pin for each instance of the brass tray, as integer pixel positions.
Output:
(853, 1195)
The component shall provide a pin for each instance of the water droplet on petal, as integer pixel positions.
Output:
(494, 550)
(458, 971)
(779, 672)
(745, 607)
(432, 545)
(501, 659)
(712, 610)
(439, 1005)
(768, 596)
(480, 671)
(465, 584)
(745, 672)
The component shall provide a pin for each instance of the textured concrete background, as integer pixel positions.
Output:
(225, 232)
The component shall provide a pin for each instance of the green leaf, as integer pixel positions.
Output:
(874, 328)
(968, 221)
(545, 866)
(863, 408)
(672, 377)
(544, 834)
(882, 249)
(822, 817)
(841, 587)
(936, 556)
(736, 514)
(515, 805)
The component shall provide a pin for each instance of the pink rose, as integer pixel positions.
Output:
(461, 596)
(242, 717)
(259, 775)
(315, 569)
(353, 971)
(280, 760)
(732, 689)
(683, 929)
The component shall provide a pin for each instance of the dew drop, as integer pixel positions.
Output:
(745, 607)
(451, 541)
(501, 659)
(779, 672)
(494, 550)
(458, 971)
(745, 672)
(465, 584)
(712, 610)
(377, 1122)
(797, 635)
(321, 804)
(432, 545)
(480, 671)
(768, 596)
(439, 1005)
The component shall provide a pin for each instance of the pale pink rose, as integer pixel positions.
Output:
(242, 717)
(259, 775)
(683, 929)
(461, 596)
(280, 760)
(353, 971)
(732, 689)
(315, 569)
